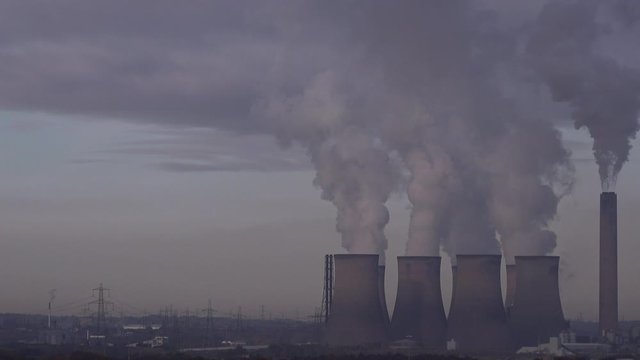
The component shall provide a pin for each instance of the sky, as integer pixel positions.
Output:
(133, 154)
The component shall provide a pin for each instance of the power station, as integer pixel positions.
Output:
(479, 321)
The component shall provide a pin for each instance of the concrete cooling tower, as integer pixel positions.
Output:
(608, 262)
(356, 314)
(419, 312)
(537, 311)
(477, 321)
(382, 296)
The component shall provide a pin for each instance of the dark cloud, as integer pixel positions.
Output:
(446, 85)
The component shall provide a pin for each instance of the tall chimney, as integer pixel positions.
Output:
(477, 321)
(356, 315)
(419, 312)
(511, 288)
(382, 296)
(608, 262)
(537, 311)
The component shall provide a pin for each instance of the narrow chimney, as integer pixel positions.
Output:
(608, 262)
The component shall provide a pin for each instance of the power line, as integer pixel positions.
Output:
(101, 320)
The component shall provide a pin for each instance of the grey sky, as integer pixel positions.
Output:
(131, 154)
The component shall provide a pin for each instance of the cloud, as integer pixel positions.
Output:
(205, 150)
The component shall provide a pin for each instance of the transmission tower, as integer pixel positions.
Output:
(52, 296)
(239, 325)
(327, 290)
(101, 314)
(209, 329)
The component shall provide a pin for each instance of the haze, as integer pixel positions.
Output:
(134, 152)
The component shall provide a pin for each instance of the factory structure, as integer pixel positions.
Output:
(479, 321)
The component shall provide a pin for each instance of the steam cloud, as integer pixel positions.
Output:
(362, 85)
(604, 95)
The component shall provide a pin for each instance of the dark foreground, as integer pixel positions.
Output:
(29, 354)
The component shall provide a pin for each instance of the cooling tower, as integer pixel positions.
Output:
(419, 312)
(537, 311)
(382, 296)
(356, 315)
(608, 262)
(511, 288)
(477, 321)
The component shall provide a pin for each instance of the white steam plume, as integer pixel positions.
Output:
(604, 95)
(353, 168)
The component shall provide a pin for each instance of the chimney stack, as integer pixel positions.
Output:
(419, 312)
(608, 263)
(536, 314)
(356, 313)
(477, 321)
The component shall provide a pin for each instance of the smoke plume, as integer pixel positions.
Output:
(358, 84)
(604, 95)
(353, 168)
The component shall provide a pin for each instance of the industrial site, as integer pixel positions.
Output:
(528, 320)
(319, 179)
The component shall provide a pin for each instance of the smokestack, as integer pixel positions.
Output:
(477, 321)
(382, 296)
(537, 311)
(419, 312)
(356, 315)
(608, 262)
(511, 288)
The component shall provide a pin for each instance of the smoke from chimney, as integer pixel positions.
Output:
(364, 84)
(603, 94)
